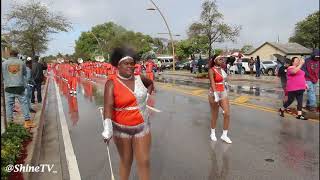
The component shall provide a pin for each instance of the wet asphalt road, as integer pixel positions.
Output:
(264, 145)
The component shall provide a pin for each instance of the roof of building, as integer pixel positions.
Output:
(287, 48)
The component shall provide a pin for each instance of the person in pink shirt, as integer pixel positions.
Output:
(296, 85)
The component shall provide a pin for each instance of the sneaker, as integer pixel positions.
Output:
(213, 137)
(226, 139)
(281, 112)
(301, 117)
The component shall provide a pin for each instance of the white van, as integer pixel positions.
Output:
(167, 61)
(245, 66)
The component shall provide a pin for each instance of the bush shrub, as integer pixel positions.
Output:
(11, 144)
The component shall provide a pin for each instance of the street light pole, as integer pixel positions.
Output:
(172, 43)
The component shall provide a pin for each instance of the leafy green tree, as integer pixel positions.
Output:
(148, 55)
(184, 49)
(246, 48)
(307, 31)
(104, 37)
(217, 51)
(49, 58)
(211, 26)
(59, 55)
(30, 25)
(160, 48)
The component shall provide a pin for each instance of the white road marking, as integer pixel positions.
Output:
(71, 157)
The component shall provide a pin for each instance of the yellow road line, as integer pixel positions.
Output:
(253, 106)
(241, 99)
(198, 92)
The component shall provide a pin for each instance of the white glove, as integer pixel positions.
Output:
(107, 129)
(216, 96)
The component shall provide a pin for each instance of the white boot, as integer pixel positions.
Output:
(213, 135)
(225, 137)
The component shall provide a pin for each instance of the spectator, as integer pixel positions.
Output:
(191, 66)
(200, 65)
(311, 69)
(29, 83)
(194, 66)
(296, 85)
(251, 65)
(239, 65)
(38, 76)
(14, 71)
(282, 74)
(159, 66)
(257, 66)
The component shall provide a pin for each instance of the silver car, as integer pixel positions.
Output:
(269, 67)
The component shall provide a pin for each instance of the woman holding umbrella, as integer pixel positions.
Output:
(125, 107)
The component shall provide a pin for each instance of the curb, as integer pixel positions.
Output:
(33, 148)
(312, 115)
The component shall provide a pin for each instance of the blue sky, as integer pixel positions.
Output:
(261, 20)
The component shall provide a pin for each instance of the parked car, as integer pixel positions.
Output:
(187, 65)
(269, 67)
(203, 63)
(180, 65)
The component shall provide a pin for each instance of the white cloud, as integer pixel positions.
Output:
(261, 20)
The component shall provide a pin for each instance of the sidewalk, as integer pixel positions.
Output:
(33, 147)
(49, 148)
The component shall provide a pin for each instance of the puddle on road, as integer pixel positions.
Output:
(250, 90)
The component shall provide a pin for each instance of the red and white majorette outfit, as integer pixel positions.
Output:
(149, 70)
(72, 80)
(130, 114)
(219, 82)
(137, 69)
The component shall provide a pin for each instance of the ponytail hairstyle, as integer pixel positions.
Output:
(211, 62)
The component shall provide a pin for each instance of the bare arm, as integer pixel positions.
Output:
(211, 78)
(108, 99)
(148, 84)
(296, 69)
